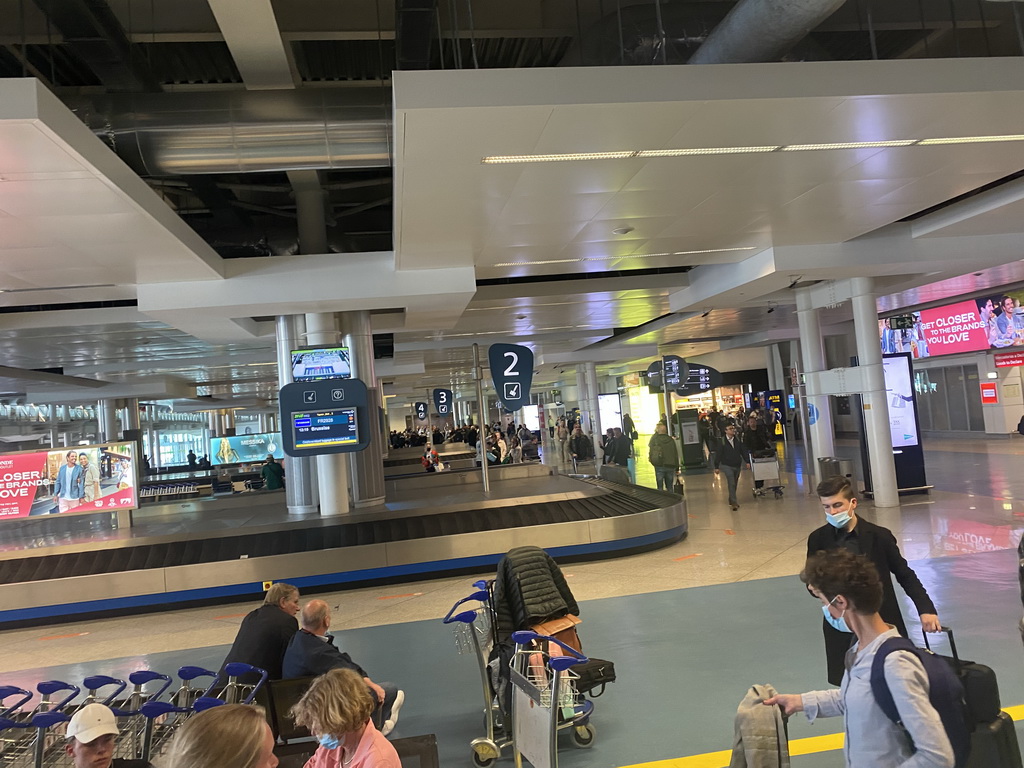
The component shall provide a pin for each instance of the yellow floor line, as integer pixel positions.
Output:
(808, 746)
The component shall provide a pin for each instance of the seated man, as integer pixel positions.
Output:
(312, 652)
(92, 734)
(264, 634)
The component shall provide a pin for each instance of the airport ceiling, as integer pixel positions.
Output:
(217, 106)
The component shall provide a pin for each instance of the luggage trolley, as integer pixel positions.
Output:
(472, 628)
(766, 468)
(31, 737)
(544, 700)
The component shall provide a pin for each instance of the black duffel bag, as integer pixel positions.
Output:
(981, 692)
(594, 675)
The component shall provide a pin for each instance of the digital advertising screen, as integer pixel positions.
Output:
(531, 417)
(974, 325)
(240, 449)
(610, 409)
(319, 364)
(86, 478)
(325, 429)
(899, 389)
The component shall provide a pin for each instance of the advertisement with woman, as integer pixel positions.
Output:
(974, 325)
(86, 478)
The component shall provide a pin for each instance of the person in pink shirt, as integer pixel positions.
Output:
(336, 709)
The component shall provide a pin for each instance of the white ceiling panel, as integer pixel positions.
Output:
(24, 149)
(614, 127)
(83, 196)
(522, 209)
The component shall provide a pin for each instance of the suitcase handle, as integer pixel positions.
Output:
(952, 642)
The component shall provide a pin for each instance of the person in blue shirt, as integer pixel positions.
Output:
(69, 486)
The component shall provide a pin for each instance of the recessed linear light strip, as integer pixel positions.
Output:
(698, 151)
(628, 256)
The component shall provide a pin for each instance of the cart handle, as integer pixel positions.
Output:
(204, 703)
(102, 681)
(13, 690)
(558, 663)
(237, 669)
(466, 617)
(48, 687)
(144, 676)
(189, 673)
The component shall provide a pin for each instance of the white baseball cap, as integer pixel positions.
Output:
(91, 722)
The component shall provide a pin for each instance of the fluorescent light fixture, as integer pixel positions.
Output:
(992, 375)
(849, 145)
(970, 140)
(627, 256)
(703, 151)
(534, 263)
(504, 159)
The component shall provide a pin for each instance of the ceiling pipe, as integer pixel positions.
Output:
(762, 30)
(176, 134)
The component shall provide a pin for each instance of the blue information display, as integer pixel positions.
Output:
(443, 399)
(512, 373)
(325, 429)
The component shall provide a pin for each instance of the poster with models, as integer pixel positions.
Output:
(240, 449)
(86, 478)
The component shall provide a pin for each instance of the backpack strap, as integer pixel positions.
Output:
(879, 685)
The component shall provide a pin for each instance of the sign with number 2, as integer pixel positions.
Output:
(512, 373)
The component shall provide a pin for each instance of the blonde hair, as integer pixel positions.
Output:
(278, 592)
(336, 703)
(229, 736)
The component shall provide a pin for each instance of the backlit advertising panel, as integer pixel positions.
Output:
(86, 478)
(239, 449)
(899, 389)
(974, 325)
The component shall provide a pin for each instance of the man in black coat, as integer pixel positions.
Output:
(847, 530)
(312, 652)
(730, 458)
(265, 632)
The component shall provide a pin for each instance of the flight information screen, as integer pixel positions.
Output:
(318, 364)
(325, 429)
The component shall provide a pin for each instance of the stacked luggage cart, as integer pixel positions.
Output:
(33, 735)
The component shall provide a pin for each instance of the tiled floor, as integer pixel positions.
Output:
(689, 626)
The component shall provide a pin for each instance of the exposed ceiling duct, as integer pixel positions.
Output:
(243, 131)
(762, 30)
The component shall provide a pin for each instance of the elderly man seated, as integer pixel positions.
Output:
(312, 652)
(92, 734)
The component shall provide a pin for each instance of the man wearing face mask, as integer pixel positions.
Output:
(844, 529)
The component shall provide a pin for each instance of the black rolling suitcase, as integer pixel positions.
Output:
(993, 736)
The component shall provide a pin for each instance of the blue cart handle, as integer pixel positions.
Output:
(525, 637)
(466, 617)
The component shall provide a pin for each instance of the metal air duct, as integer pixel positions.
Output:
(174, 134)
(762, 30)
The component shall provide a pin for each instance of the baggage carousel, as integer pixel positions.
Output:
(225, 548)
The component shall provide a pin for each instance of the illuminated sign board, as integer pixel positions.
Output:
(899, 388)
(325, 429)
(243, 448)
(318, 364)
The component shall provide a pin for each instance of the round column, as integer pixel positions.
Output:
(812, 348)
(298, 472)
(366, 467)
(332, 469)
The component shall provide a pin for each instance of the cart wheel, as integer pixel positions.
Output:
(583, 736)
(484, 762)
(485, 752)
(778, 493)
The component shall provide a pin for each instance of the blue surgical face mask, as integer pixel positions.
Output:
(836, 624)
(840, 519)
(328, 742)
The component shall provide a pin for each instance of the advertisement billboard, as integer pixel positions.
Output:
(899, 388)
(86, 478)
(240, 449)
(974, 325)
(610, 408)
(319, 364)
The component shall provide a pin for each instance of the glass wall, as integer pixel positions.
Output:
(949, 399)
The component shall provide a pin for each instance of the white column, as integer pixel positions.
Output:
(876, 407)
(298, 472)
(332, 468)
(366, 468)
(106, 412)
(586, 385)
(812, 347)
(773, 362)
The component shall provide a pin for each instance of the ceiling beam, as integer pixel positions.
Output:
(250, 29)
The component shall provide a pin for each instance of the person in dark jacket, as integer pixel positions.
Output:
(580, 445)
(729, 458)
(265, 632)
(757, 441)
(618, 449)
(662, 454)
(847, 530)
(272, 474)
(312, 652)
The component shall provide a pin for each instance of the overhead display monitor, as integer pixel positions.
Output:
(321, 363)
(325, 429)
(899, 388)
(974, 325)
(86, 478)
(244, 448)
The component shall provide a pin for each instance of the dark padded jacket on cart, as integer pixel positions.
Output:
(529, 589)
(879, 546)
(262, 640)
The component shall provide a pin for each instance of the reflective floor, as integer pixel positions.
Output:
(689, 626)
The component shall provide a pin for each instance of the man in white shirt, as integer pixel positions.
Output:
(90, 478)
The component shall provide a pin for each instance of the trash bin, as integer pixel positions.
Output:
(846, 469)
(828, 466)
